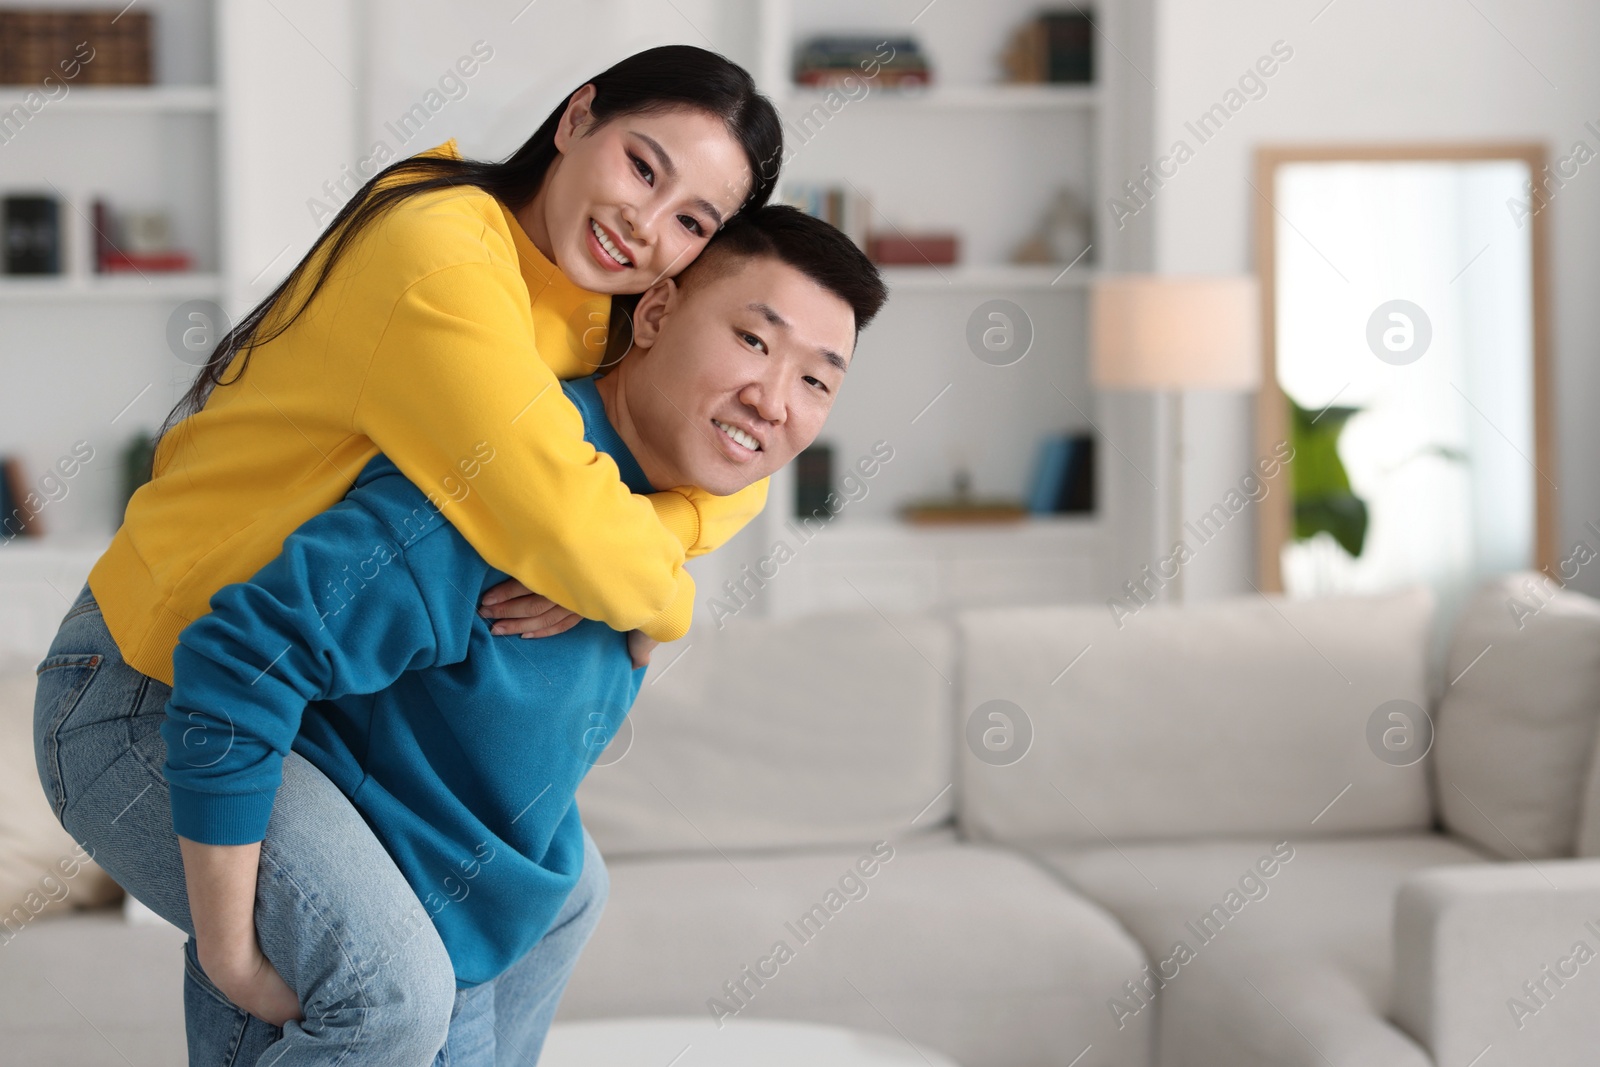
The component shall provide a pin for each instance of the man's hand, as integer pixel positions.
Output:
(522, 611)
(640, 647)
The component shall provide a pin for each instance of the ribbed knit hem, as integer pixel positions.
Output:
(220, 819)
(673, 622)
(678, 514)
(143, 626)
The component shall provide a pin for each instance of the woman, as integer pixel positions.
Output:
(437, 310)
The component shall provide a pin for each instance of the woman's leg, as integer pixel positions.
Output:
(526, 995)
(333, 914)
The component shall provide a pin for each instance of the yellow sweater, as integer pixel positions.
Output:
(437, 339)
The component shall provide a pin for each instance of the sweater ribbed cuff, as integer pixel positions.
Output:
(673, 622)
(678, 514)
(220, 818)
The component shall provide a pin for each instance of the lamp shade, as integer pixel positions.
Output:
(1150, 331)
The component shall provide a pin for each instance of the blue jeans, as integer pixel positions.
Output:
(333, 914)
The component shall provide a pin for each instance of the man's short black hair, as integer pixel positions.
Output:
(806, 243)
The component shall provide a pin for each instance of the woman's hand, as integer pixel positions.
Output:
(522, 611)
(519, 610)
(221, 882)
(640, 647)
(251, 983)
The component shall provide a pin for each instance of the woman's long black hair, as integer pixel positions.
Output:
(659, 79)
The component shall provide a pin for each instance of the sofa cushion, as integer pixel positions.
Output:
(1243, 716)
(1290, 968)
(972, 950)
(1516, 724)
(824, 730)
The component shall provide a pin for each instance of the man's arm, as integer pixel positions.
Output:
(337, 612)
(301, 629)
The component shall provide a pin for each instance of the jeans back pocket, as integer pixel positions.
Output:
(63, 678)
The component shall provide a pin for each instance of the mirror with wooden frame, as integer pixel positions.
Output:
(1405, 358)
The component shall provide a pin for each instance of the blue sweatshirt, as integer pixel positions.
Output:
(360, 647)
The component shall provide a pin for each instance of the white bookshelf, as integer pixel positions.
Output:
(972, 155)
(112, 288)
(85, 356)
(134, 99)
(996, 277)
(253, 109)
(962, 98)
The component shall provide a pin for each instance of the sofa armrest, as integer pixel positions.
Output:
(1504, 957)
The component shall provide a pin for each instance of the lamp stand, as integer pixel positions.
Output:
(1175, 491)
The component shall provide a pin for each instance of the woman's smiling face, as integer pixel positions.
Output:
(633, 200)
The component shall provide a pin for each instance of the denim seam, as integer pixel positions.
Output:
(313, 904)
(67, 659)
(206, 984)
(209, 989)
(58, 784)
(159, 770)
(82, 609)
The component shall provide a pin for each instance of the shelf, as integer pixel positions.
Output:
(149, 99)
(964, 97)
(1034, 531)
(1034, 526)
(150, 286)
(991, 276)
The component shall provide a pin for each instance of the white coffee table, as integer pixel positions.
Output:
(693, 1041)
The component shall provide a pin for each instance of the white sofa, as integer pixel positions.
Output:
(1168, 759)
(837, 784)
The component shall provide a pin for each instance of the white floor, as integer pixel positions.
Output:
(91, 989)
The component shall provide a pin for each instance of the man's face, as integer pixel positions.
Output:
(732, 376)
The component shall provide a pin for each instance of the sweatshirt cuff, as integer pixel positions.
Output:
(673, 622)
(679, 515)
(220, 818)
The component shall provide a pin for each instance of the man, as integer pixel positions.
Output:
(361, 652)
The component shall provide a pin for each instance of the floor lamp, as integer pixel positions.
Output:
(1168, 334)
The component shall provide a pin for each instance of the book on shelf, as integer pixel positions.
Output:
(840, 206)
(102, 46)
(134, 241)
(17, 516)
(30, 231)
(813, 482)
(163, 262)
(1055, 47)
(883, 61)
(914, 249)
(1063, 477)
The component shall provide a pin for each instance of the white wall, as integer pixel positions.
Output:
(1374, 70)
(290, 72)
(541, 52)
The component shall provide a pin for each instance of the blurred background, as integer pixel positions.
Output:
(1191, 302)
(974, 175)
